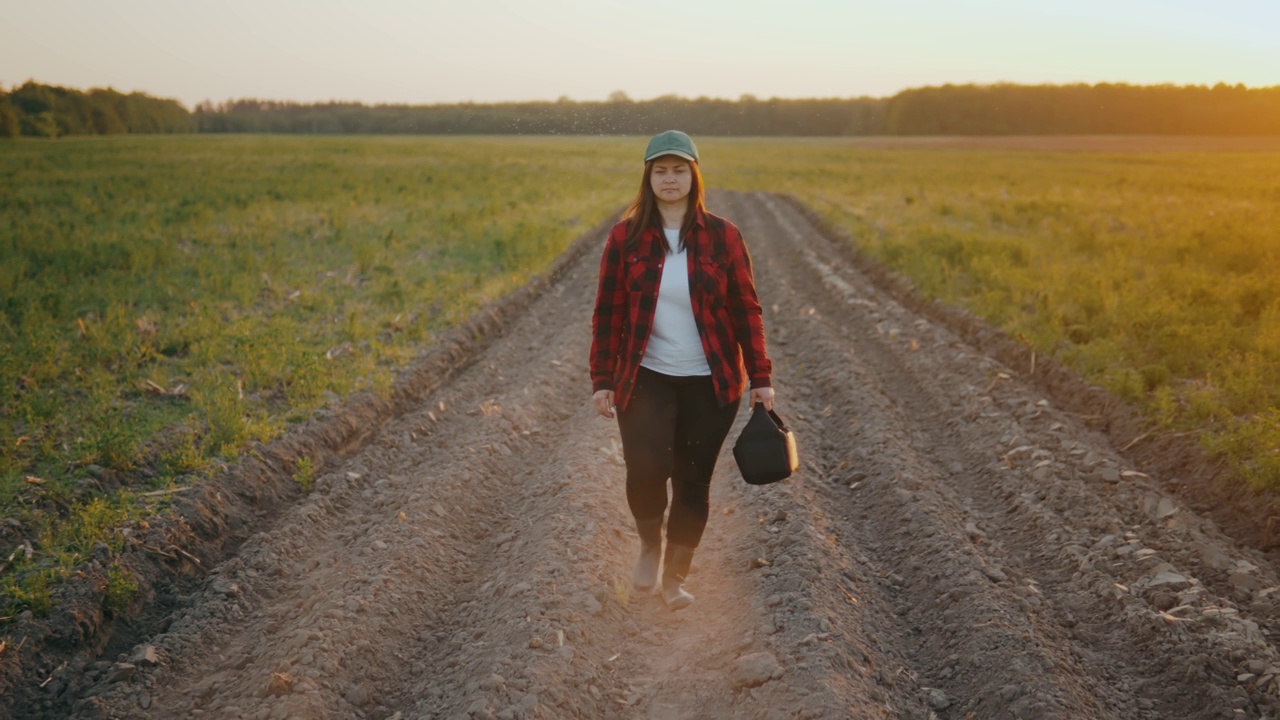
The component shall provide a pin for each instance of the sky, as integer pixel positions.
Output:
(428, 51)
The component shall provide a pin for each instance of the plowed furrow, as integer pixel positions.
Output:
(1002, 532)
(953, 547)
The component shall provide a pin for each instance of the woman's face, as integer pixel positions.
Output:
(671, 179)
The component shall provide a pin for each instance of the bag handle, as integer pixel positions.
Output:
(773, 415)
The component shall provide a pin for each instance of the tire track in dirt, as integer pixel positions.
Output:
(1037, 579)
(471, 560)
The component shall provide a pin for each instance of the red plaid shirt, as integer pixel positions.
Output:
(725, 307)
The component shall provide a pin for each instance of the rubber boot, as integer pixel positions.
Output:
(645, 575)
(675, 568)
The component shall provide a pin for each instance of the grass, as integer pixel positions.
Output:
(305, 474)
(167, 301)
(120, 590)
(1154, 275)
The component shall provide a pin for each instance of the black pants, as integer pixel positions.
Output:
(673, 427)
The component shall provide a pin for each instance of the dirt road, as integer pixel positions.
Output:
(954, 547)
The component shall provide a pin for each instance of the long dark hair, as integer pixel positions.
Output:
(643, 212)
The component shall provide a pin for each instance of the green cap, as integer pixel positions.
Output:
(671, 142)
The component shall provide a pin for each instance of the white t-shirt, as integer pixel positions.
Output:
(675, 348)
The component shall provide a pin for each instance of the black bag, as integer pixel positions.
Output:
(766, 449)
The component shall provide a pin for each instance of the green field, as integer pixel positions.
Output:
(1153, 274)
(165, 301)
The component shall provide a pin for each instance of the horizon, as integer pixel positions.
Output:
(393, 52)
(676, 96)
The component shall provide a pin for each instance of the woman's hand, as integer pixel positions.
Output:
(603, 400)
(764, 396)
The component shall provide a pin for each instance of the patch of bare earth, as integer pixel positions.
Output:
(955, 546)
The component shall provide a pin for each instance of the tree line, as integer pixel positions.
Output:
(51, 111)
(1105, 109)
(702, 116)
(1001, 109)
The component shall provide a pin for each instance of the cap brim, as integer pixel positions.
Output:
(677, 153)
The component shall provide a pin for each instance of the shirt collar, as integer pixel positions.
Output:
(699, 219)
(658, 241)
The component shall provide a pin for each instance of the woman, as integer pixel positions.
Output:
(676, 318)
